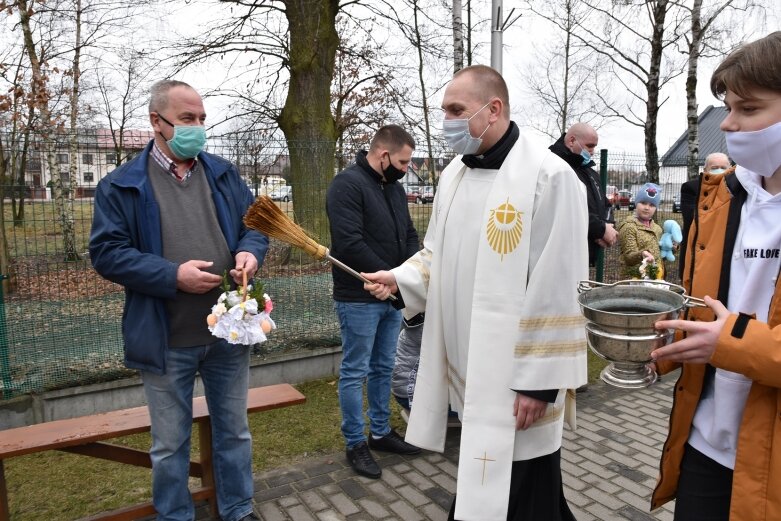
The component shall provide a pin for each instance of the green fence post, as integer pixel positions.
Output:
(602, 186)
(5, 364)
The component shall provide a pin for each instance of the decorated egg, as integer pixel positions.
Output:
(265, 326)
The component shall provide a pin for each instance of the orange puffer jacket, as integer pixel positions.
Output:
(749, 347)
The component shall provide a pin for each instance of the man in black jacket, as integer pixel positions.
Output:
(371, 230)
(576, 147)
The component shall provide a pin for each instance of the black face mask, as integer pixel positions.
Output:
(392, 174)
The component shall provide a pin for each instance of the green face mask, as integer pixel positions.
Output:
(188, 140)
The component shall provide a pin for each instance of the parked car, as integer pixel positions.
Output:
(623, 198)
(283, 193)
(426, 195)
(677, 204)
(631, 204)
(412, 193)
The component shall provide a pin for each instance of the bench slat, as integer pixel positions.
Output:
(86, 429)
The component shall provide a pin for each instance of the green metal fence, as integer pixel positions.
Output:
(60, 321)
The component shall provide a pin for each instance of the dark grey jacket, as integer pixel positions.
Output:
(371, 228)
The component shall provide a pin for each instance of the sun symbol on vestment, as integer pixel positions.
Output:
(504, 228)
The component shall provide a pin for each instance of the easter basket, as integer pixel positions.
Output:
(242, 316)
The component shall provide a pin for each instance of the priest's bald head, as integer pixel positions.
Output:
(479, 93)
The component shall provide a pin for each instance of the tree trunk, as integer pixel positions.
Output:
(422, 81)
(5, 173)
(17, 176)
(567, 54)
(41, 100)
(70, 238)
(659, 12)
(468, 33)
(692, 118)
(458, 36)
(306, 119)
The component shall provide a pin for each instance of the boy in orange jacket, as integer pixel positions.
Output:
(722, 457)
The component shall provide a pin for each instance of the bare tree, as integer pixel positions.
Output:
(704, 38)
(41, 96)
(637, 38)
(428, 58)
(563, 79)
(359, 85)
(284, 45)
(56, 35)
(16, 123)
(122, 96)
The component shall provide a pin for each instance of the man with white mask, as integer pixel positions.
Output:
(722, 458)
(504, 341)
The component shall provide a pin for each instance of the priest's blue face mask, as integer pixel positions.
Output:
(456, 133)
(187, 141)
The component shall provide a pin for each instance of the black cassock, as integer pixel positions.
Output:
(536, 491)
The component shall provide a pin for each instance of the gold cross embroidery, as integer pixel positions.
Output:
(484, 459)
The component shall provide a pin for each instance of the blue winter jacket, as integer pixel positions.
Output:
(126, 247)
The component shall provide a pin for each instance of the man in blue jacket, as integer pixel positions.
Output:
(371, 230)
(166, 226)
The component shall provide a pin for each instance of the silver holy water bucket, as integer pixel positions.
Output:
(620, 320)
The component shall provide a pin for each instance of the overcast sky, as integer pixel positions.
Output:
(620, 136)
(617, 136)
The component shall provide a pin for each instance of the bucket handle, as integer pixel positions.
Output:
(689, 301)
(694, 302)
(586, 285)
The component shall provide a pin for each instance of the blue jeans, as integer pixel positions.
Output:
(224, 370)
(370, 331)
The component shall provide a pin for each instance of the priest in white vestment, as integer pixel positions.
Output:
(504, 341)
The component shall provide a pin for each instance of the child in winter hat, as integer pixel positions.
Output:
(649, 193)
(638, 235)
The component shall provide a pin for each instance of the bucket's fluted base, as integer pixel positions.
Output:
(628, 375)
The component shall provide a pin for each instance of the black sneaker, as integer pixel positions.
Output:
(392, 442)
(362, 461)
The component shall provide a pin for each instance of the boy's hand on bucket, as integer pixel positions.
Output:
(701, 337)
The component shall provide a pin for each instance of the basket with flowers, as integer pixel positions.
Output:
(243, 315)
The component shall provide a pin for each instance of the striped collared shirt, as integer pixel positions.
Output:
(167, 164)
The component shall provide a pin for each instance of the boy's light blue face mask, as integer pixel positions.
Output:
(188, 140)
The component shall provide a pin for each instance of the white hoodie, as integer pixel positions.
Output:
(755, 268)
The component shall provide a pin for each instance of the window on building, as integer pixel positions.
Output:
(86, 159)
(88, 177)
(111, 158)
(62, 159)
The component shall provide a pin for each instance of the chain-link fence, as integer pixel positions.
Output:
(60, 321)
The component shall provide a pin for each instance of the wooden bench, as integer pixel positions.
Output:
(83, 435)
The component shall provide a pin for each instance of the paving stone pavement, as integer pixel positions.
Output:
(609, 465)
